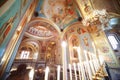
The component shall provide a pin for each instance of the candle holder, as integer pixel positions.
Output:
(100, 74)
(96, 78)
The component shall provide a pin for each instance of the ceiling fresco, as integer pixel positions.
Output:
(61, 12)
(40, 29)
(85, 7)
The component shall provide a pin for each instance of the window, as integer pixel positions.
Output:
(113, 41)
(24, 54)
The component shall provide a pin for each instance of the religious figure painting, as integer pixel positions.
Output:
(75, 44)
(61, 12)
(5, 29)
(105, 50)
(81, 31)
(85, 7)
(40, 29)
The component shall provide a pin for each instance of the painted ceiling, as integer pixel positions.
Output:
(61, 12)
(41, 29)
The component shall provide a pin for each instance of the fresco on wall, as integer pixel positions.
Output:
(104, 49)
(61, 12)
(51, 52)
(84, 37)
(5, 29)
(85, 7)
(86, 42)
(40, 29)
(74, 41)
(9, 20)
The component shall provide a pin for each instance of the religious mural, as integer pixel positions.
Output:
(85, 7)
(40, 29)
(9, 20)
(74, 41)
(61, 12)
(5, 29)
(43, 38)
(51, 52)
(47, 35)
(84, 41)
(7, 25)
(104, 49)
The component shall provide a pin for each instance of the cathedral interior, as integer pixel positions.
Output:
(59, 39)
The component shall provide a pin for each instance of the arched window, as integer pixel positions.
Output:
(113, 41)
(24, 54)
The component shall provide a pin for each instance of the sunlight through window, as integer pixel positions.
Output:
(113, 41)
(24, 54)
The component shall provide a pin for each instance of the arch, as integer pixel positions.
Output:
(74, 43)
(42, 29)
(30, 45)
(76, 30)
